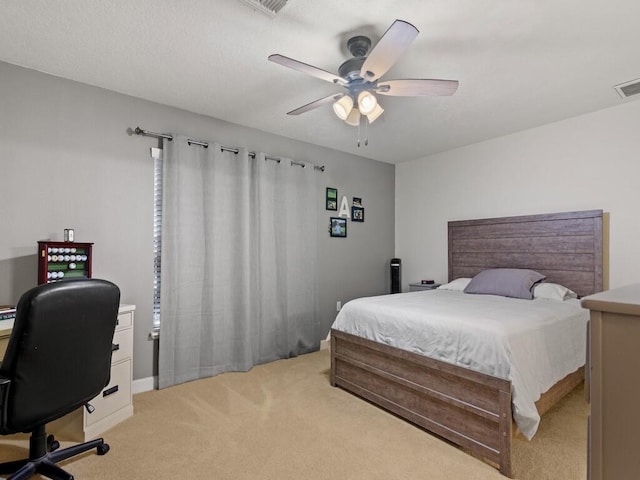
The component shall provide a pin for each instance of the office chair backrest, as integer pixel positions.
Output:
(59, 353)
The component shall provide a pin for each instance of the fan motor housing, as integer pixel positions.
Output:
(359, 47)
(350, 70)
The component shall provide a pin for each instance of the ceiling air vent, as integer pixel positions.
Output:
(268, 7)
(628, 89)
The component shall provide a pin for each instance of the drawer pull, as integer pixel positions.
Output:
(110, 391)
(115, 346)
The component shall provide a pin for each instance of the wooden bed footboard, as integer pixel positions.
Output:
(470, 409)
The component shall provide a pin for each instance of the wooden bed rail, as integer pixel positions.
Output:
(471, 409)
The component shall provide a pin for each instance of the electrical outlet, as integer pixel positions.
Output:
(338, 305)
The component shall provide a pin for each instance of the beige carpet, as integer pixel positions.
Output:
(284, 421)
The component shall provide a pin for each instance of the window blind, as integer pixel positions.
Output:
(156, 154)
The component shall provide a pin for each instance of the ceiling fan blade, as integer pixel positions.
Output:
(317, 103)
(417, 87)
(388, 49)
(305, 68)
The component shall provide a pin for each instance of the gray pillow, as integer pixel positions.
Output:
(507, 282)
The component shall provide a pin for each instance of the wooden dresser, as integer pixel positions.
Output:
(614, 393)
(115, 403)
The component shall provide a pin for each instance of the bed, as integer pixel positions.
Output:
(472, 409)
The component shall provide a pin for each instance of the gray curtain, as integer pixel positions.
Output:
(239, 261)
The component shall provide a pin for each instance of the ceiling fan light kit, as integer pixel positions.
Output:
(377, 111)
(343, 107)
(366, 102)
(354, 118)
(360, 75)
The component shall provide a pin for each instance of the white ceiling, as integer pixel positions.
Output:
(520, 63)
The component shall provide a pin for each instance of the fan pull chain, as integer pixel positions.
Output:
(359, 123)
(366, 131)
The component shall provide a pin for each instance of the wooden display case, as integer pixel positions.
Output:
(63, 260)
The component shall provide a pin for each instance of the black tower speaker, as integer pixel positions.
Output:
(396, 277)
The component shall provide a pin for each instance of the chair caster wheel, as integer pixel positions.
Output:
(52, 443)
(102, 449)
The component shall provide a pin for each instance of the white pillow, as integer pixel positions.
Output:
(553, 291)
(458, 285)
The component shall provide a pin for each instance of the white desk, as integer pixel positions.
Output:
(115, 403)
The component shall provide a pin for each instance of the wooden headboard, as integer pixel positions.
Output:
(566, 247)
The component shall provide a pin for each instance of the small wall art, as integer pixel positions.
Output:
(338, 227)
(332, 198)
(344, 208)
(357, 210)
(357, 214)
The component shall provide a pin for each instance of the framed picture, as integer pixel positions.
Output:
(332, 198)
(357, 201)
(357, 214)
(338, 227)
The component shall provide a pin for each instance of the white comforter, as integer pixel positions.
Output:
(533, 343)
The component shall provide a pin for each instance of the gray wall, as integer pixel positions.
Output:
(581, 163)
(66, 161)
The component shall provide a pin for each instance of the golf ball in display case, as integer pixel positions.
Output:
(63, 260)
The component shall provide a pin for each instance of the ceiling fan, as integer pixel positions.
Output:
(361, 76)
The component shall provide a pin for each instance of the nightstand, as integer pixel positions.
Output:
(419, 287)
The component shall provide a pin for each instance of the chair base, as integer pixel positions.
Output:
(43, 456)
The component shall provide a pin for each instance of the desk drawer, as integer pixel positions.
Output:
(114, 396)
(122, 345)
(125, 320)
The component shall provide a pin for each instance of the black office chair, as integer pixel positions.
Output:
(58, 358)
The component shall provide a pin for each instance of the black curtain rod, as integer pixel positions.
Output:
(147, 133)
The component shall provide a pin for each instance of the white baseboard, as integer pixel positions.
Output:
(144, 385)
